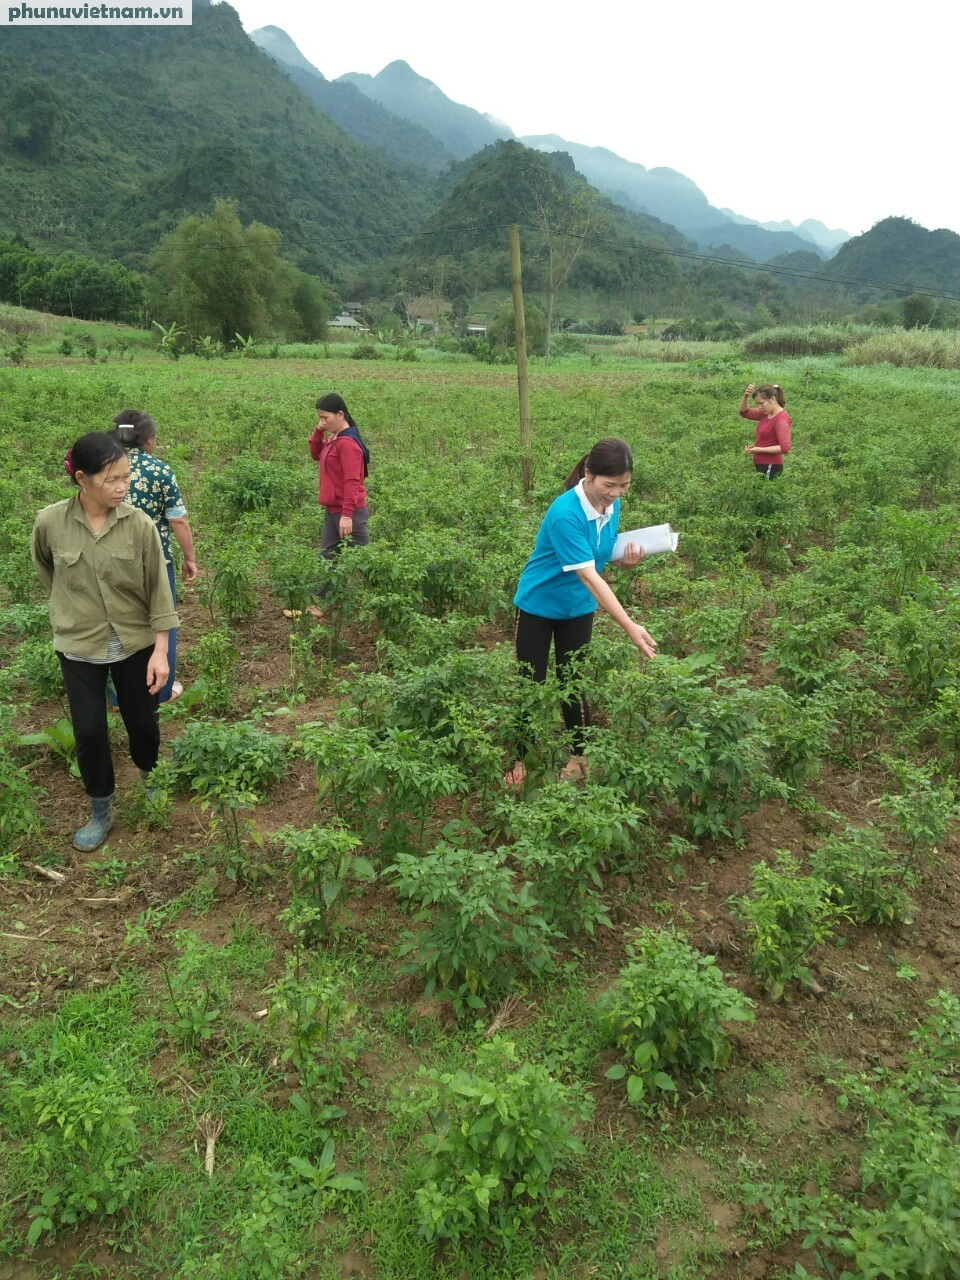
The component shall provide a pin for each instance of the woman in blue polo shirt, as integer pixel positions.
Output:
(561, 587)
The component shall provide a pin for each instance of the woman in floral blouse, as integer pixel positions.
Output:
(154, 489)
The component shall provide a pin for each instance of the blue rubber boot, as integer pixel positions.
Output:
(97, 829)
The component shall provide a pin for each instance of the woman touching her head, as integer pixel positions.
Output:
(772, 441)
(111, 610)
(343, 459)
(561, 588)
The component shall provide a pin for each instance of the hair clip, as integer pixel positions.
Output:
(68, 463)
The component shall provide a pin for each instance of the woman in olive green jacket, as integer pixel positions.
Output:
(111, 611)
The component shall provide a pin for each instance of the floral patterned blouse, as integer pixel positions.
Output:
(154, 489)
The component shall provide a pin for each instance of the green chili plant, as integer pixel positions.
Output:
(865, 875)
(497, 1137)
(942, 720)
(325, 866)
(719, 752)
(252, 484)
(923, 642)
(216, 658)
(807, 653)
(19, 818)
(229, 767)
(35, 664)
(232, 590)
(79, 1144)
(721, 630)
(923, 811)
(385, 785)
(799, 731)
(787, 915)
(562, 838)
(197, 991)
(911, 540)
(26, 619)
(480, 927)
(666, 1012)
(313, 1018)
(209, 754)
(293, 570)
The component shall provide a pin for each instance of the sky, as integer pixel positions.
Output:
(831, 109)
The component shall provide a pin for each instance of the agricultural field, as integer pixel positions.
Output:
(334, 1004)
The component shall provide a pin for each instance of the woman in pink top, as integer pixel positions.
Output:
(773, 428)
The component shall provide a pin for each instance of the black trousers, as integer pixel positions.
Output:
(533, 636)
(86, 684)
(773, 471)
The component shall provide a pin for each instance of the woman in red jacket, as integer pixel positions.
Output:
(343, 458)
(773, 428)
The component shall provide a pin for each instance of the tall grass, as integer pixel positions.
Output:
(14, 320)
(908, 348)
(806, 340)
(665, 352)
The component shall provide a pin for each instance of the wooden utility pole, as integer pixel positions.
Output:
(523, 386)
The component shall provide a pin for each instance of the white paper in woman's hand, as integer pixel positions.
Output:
(654, 540)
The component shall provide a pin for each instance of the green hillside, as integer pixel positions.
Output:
(155, 123)
(461, 250)
(900, 256)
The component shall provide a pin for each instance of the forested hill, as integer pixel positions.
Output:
(361, 116)
(898, 253)
(153, 123)
(465, 240)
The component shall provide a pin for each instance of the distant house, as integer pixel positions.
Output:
(426, 312)
(343, 321)
(352, 308)
(476, 330)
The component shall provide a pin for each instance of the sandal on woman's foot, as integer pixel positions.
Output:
(575, 770)
(513, 779)
(312, 609)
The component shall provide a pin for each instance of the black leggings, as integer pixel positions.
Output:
(87, 694)
(532, 637)
(773, 471)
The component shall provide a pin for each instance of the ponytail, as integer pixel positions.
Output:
(133, 429)
(576, 475)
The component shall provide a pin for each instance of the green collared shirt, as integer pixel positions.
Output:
(115, 579)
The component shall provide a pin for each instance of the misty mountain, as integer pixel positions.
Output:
(358, 114)
(828, 239)
(412, 97)
(674, 198)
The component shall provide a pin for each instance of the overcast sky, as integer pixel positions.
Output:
(831, 109)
